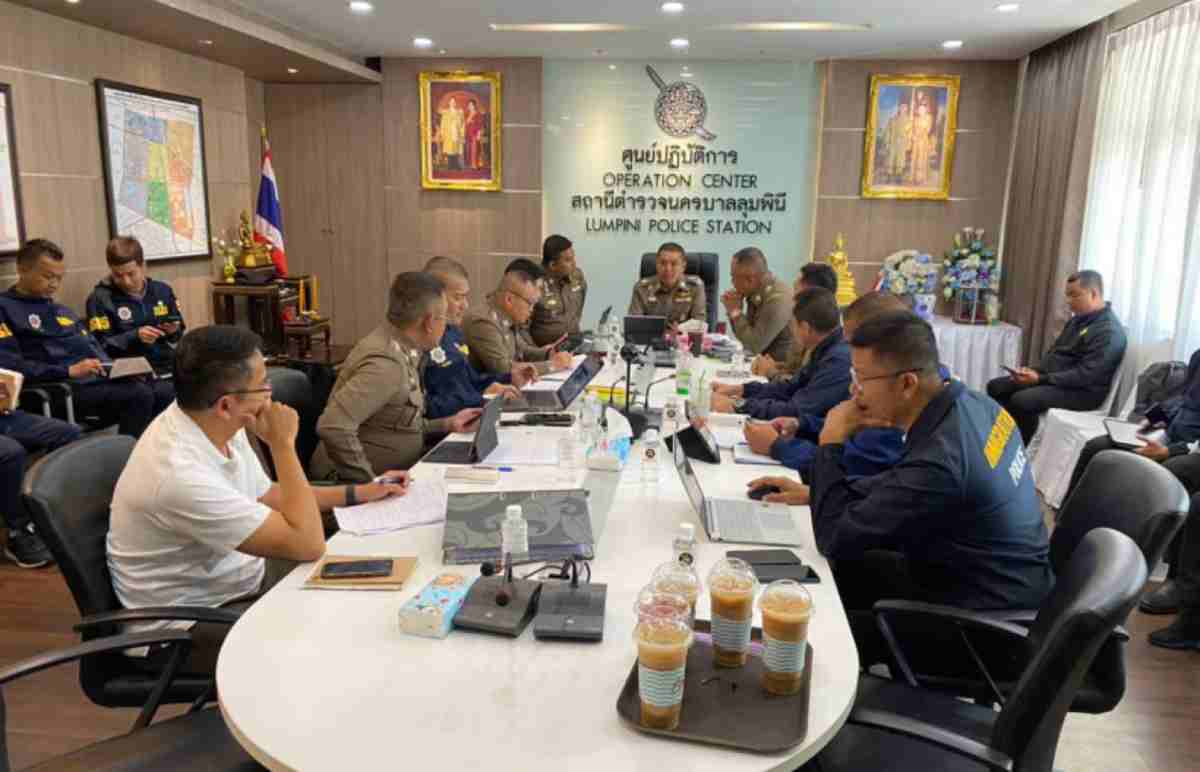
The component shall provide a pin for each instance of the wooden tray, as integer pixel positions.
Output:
(723, 706)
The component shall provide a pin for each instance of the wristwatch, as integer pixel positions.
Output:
(738, 403)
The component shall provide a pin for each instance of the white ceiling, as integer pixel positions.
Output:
(900, 28)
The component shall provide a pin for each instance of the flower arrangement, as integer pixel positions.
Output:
(908, 272)
(971, 265)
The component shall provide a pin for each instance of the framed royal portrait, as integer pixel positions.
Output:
(155, 179)
(909, 146)
(12, 225)
(460, 130)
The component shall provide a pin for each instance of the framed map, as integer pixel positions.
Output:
(152, 145)
(12, 227)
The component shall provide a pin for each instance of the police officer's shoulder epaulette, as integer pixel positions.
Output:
(648, 282)
(693, 280)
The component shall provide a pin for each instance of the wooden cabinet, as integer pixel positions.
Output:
(327, 150)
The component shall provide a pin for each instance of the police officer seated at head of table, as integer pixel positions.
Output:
(45, 341)
(131, 314)
(564, 292)
(493, 332)
(764, 327)
(375, 418)
(956, 520)
(1079, 368)
(194, 514)
(450, 382)
(821, 384)
(670, 292)
(811, 275)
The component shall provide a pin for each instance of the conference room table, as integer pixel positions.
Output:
(325, 680)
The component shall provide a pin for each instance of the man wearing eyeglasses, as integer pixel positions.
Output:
(956, 520)
(195, 519)
(492, 332)
(375, 418)
(45, 341)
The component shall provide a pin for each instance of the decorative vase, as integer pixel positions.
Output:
(971, 306)
(923, 305)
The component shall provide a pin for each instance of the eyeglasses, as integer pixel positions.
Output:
(856, 383)
(264, 390)
(528, 302)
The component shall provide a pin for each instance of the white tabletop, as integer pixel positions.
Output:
(316, 680)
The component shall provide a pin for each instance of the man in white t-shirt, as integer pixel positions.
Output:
(194, 515)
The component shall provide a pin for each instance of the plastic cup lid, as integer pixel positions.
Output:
(729, 571)
(786, 595)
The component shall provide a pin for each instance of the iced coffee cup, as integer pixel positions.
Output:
(662, 660)
(786, 610)
(681, 579)
(654, 604)
(731, 586)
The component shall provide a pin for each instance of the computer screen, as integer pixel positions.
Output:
(690, 483)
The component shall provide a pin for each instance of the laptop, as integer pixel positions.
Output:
(739, 521)
(474, 452)
(561, 398)
(651, 331)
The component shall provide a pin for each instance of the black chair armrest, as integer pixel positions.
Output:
(43, 389)
(935, 735)
(158, 614)
(947, 617)
(180, 640)
(1026, 617)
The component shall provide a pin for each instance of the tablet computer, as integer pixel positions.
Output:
(1124, 434)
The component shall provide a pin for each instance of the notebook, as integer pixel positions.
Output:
(743, 455)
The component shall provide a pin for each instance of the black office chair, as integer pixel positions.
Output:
(903, 727)
(195, 741)
(702, 264)
(67, 494)
(292, 388)
(1118, 490)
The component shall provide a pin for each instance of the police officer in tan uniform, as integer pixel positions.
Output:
(811, 275)
(564, 291)
(375, 418)
(764, 327)
(492, 332)
(670, 293)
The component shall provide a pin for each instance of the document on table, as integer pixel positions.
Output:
(743, 455)
(423, 504)
(523, 448)
(728, 436)
(562, 375)
(545, 384)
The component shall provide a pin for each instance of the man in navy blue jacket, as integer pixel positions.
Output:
(818, 386)
(45, 341)
(957, 517)
(1078, 370)
(451, 383)
(131, 314)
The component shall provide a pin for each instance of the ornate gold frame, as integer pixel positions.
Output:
(950, 82)
(427, 182)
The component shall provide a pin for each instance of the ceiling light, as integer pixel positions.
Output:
(1008, 8)
(794, 26)
(612, 66)
(686, 74)
(206, 42)
(292, 71)
(573, 27)
(361, 6)
(952, 45)
(422, 42)
(73, 2)
(679, 43)
(671, 7)
(564, 118)
(441, 50)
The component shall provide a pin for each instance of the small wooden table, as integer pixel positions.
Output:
(302, 332)
(264, 306)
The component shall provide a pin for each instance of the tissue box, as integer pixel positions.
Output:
(430, 613)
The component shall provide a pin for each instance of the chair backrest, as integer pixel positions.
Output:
(68, 493)
(292, 388)
(702, 264)
(1094, 593)
(1124, 491)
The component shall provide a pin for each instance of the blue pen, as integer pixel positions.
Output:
(497, 468)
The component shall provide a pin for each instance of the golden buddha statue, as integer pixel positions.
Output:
(253, 253)
(846, 293)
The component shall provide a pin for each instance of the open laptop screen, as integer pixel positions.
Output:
(578, 380)
(486, 436)
(690, 482)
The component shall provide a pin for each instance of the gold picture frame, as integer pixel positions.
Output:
(909, 144)
(460, 143)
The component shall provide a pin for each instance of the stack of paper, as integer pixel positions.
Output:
(423, 504)
(743, 455)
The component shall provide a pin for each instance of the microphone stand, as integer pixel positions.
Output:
(637, 422)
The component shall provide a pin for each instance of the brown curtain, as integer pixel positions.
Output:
(1049, 182)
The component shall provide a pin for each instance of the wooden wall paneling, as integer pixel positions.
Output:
(256, 118)
(358, 262)
(522, 158)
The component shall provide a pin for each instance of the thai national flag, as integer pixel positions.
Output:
(268, 217)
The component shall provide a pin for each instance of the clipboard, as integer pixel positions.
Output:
(402, 569)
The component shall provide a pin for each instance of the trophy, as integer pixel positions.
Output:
(846, 293)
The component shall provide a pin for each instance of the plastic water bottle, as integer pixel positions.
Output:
(670, 416)
(684, 545)
(568, 454)
(683, 370)
(651, 447)
(514, 534)
(738, 359)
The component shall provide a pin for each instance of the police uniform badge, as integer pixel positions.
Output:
(438, 356)
(466, 350)
(160, 309)
(124, 313)
(35, 321)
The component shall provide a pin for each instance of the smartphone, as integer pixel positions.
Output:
(1009, 370)
(356, 569)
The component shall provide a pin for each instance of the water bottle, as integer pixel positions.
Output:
(701, 398)
(671, 417)
(587, 422)
(738, 359)
(514, 535)
(568, 455)
(650, 451)
(683, 370)
(684, 545)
